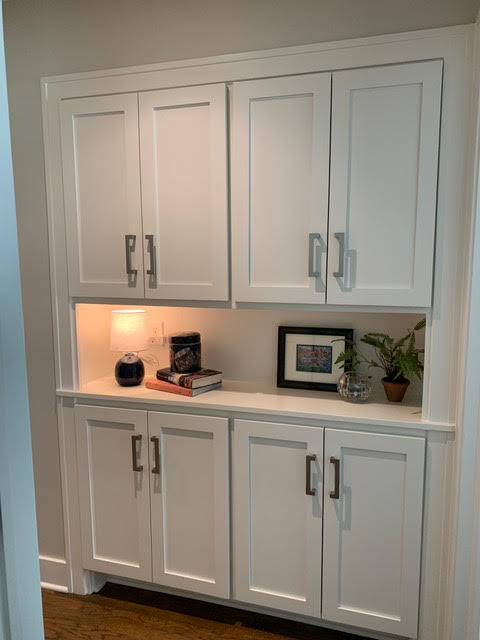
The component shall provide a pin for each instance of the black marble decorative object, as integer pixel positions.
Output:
(129, 370)
(185, 352)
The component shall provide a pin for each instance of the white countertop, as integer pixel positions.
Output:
(253, 398)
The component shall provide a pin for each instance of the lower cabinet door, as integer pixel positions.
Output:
(277, 482)
(112, 456)
(372, 530)
(189, 491)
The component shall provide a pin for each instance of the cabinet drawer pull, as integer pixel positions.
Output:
(341, 255)
(130, 241)
(151, 251)
(312, 273)
(156, 454)
(135, 465)
(308, 474)
(335, 494)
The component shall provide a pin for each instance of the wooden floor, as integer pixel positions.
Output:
(122, 613)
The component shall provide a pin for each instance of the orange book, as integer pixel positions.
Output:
(169, 387)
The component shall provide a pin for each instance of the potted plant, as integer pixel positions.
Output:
(399, 359)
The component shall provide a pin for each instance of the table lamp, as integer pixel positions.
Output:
(128, 334)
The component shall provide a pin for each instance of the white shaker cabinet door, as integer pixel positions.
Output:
(101, 180)
(189, 490)
(112, 458)
(183, 141)
(372, 530)
(384, 161)
(279, 181)
(277, 492)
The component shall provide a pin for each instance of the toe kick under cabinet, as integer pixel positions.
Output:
(327, 522)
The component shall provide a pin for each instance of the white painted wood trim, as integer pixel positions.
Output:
(463, 612)
(441, 32)
(54, 574)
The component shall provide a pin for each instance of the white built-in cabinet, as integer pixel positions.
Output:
(154, 497)
(189, 493)
(369, 490)
(101, 185)
(280, 174)
(333, 189)
(373, 497)
(145, 194)
(114, 493)
(326, 522)
(183, 148)
(366, 169)
(278, 493)
(383, 184)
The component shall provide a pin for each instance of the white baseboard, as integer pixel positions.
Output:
(54, 574)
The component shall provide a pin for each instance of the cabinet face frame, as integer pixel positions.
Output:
(391, 450)
(134, 423)
(206, 430)
(309, 440)
(126, 245)
(347, 197)
(251, 234)
(211, 101)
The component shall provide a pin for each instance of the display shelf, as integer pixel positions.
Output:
(238, 397)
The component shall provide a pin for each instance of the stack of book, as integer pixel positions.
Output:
(186, 384)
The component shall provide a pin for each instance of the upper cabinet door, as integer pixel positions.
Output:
(280, 165)
(101, 180)
(183, 141)
(373, 494)
(385, 131)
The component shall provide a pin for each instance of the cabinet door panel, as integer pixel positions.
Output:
(372, 532)
(278, 528)
(114, 499)
(190, 504)
(184, 192)
(102, 196)
(384, 158)
(280, 164)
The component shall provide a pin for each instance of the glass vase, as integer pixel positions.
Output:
(354, 387)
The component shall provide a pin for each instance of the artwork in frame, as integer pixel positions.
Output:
(307, 355)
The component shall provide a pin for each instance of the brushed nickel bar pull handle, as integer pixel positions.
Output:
(130, 241)
(335, 494)
(341, 255)
(151, 251)
(312, 273)
(308, 474)
(135, 465)
(156, 454)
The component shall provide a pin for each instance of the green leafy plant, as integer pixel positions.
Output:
(399, 359)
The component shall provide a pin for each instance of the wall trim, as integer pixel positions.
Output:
(53, 573)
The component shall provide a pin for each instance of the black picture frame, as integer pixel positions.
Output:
(283, 331)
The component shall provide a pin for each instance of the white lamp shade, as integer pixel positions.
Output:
(128, 330)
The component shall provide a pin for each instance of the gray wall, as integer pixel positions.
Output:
(60, 36)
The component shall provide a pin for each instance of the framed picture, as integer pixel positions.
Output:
(306, 357)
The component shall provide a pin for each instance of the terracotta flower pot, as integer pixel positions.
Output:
(395, 391)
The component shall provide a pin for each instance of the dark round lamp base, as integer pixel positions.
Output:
(129, 370)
